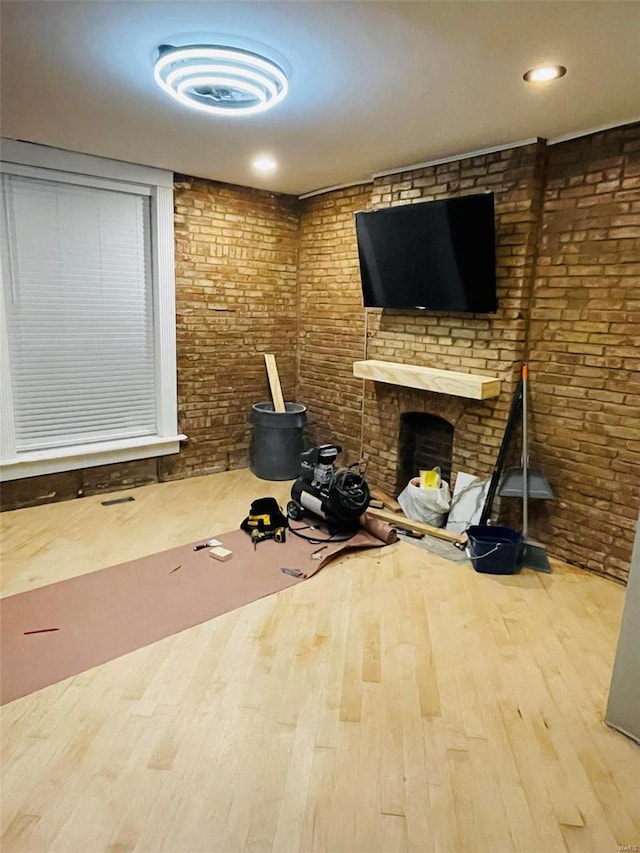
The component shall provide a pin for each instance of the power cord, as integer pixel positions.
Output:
(350, 489)
(313, 540)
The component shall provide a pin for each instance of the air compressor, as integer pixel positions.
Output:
(338, 495)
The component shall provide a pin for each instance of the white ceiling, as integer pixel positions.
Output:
(373, 85)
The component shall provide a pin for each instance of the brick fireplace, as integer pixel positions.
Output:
(467, 430)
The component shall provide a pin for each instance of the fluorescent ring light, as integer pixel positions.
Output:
(178, 75)
(220, 80)
(214, 81)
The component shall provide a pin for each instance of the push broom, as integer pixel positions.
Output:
(533, 555)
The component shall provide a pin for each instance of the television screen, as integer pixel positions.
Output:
(436, 255)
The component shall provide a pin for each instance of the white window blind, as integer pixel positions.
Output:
(79, 303)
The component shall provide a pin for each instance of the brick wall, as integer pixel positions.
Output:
(331, 319)
(491, 345)
(262, 273)
(330, 292)
(236, 298)
(585, 349)
(568, 238)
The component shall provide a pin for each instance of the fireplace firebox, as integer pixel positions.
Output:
(425, 442)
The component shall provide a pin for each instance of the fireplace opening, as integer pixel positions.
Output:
(425, 442)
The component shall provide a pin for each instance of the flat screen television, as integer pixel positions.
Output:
(432, 255)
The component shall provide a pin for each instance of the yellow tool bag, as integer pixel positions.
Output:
(265, 516)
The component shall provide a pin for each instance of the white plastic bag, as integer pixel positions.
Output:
(428, 505)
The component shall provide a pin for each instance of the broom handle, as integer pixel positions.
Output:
(525, 454)
(512, 422)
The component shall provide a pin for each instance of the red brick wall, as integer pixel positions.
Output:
(585, 349)
(330, 293)
(236, 298)
(491, 345)
(331, 319)
(568, 240)
(262, 273)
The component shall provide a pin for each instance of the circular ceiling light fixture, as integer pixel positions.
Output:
(220, 80)
(544, 73)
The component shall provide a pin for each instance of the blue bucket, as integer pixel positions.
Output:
(494, 550)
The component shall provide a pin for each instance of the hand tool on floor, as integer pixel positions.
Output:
(279, 535)
(295, 573)
(406, 531)
(210, 543)
(317, 554)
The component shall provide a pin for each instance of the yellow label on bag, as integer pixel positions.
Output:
(430, 479)
(254, 520)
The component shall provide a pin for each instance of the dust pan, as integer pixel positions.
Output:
(538, 487)
(512, 485)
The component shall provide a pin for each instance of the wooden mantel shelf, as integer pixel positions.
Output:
(429, 379)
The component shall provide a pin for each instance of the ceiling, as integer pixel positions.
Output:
(374, 86)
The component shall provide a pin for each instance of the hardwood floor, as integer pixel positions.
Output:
(394, 702)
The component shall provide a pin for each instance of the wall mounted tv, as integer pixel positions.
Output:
(434, 255)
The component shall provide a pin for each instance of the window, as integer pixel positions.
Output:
(87, 361)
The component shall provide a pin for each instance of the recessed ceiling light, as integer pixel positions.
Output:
(544, 73)
(264, 163)
(220, 80)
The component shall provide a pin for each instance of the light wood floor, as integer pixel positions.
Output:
(394, 702)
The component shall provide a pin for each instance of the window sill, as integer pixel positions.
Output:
(36, 463)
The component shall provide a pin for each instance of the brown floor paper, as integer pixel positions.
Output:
(56, 631)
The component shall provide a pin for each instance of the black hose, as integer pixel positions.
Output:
(314, 540)
(351, 492)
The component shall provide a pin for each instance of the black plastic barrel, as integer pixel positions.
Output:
(494, 550)
(276, 443)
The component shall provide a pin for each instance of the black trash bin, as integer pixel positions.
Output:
(276, 443)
